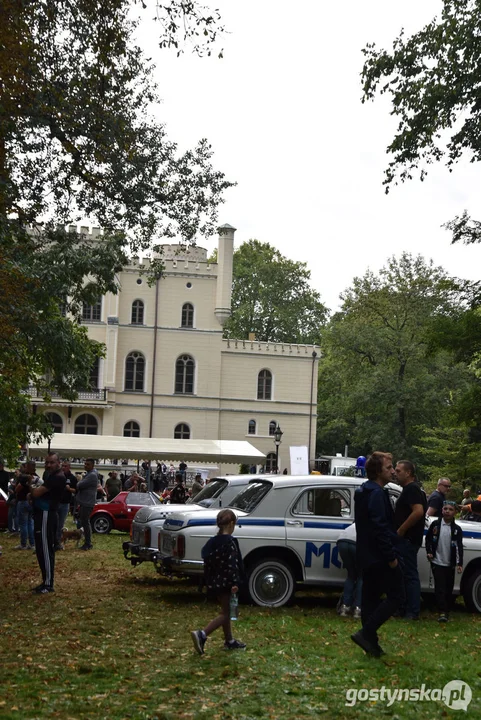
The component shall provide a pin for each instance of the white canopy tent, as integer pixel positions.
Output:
(113, 446)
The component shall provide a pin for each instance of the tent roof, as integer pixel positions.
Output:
(114, 446)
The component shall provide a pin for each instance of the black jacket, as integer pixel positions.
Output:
(377, 538)
(432, 538)
(223, 566)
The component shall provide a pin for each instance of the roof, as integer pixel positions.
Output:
(114, 446)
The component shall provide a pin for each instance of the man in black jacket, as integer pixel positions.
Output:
(377, 553)
(444, 548)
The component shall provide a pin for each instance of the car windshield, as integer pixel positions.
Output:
(250, 496)
(136, 498)
(209, 492)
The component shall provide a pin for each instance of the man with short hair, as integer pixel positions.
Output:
(46, 499)
(437, 498)
(467, 500)
(475, 514)
(409, 518)
(197, 485)
(113, 485)
(376, 551)
(86, 496)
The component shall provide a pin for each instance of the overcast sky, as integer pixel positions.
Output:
(283, 113)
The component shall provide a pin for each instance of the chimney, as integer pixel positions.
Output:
(224, 273)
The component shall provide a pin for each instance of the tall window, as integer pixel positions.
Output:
(184, 375)
(94, 374)
(271, 463)
(251, 427)
(187, 315)
(55, 421)
(92, 313)
(86, 425)
(272, 427)
(182, 432)
(134, 372)
(264, 385)
(137, 312)
(132, 429)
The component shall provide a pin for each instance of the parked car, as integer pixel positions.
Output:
(3, 510)
(287, 530)
(143, 545)
(119, 512)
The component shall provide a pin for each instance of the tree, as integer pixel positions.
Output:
(272, 298)
(451, 452)
(77, 140)
(378, 380)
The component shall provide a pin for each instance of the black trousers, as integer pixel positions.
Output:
(45, 529)
(443, 586)
(380, 579)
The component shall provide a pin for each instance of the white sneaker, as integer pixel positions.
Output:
(20, 547)
(345, 611)
(357, 613)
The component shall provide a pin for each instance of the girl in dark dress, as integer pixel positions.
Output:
(223, 573)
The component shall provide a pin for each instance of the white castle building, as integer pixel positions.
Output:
(169, 373)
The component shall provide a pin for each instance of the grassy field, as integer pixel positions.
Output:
(113, 642)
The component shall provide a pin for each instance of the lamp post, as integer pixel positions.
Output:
(277, 440)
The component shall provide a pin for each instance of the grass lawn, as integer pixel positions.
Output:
(113, 642)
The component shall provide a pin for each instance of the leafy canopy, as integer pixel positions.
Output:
(78, 142)
(272, 298)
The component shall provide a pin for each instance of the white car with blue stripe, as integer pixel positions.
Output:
(287, 530)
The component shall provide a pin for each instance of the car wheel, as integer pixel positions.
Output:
(271, 582)
(472, 592)
(101, 524)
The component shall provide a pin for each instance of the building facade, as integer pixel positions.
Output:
(168, 372)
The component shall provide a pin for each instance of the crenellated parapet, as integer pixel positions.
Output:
(279, 349)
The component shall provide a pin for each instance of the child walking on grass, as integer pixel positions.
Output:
(223, 573)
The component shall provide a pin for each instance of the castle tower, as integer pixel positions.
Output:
(225, 257)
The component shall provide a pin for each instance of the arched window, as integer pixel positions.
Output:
(271, 463)
(187, 315)
(55, 421)
(264, 385)
(184, 375)
(272, 427)
(134, 372)
(86, 425)
(132, 429)
(252, 427)
(92, 313)
(137, 313)
(182, 432)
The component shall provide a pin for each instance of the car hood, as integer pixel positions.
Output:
(180, 520)
(157, 512)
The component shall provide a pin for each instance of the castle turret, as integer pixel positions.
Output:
(225, 257)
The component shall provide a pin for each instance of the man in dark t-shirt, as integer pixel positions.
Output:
(46, 500)
(409, 517)
(437, 498)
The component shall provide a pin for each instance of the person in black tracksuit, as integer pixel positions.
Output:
(46, 499)
(377, 553)
(223, 572)
(444, 548)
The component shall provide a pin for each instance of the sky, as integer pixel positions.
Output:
(283, 113)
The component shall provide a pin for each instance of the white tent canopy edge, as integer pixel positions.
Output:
(114, 446)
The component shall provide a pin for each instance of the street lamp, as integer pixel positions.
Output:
(277, 440)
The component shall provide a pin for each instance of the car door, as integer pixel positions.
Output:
(313, 524)
(133, 502)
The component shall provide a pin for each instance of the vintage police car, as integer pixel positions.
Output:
(287, 530)
(145, 528)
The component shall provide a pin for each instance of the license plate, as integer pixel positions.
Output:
(167, 544)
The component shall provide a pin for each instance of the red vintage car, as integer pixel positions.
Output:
(3, 510)
(119, 512)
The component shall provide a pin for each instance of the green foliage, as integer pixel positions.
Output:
(78, 141)
(378, 381)
(450, 452)
(272, 298)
